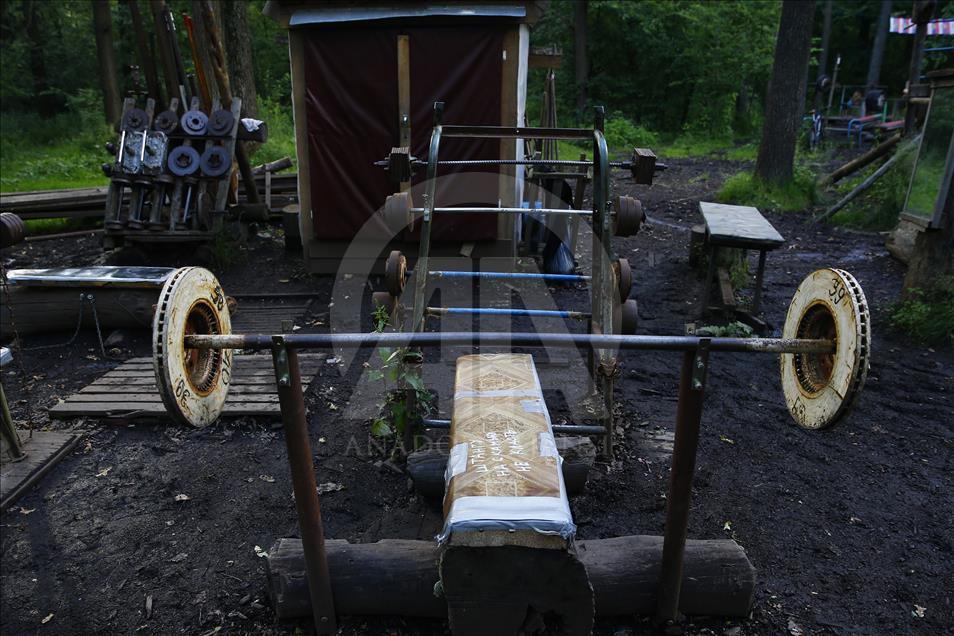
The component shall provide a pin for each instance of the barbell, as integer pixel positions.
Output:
(825, 346)
(399, 213)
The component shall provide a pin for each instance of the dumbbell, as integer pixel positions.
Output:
(825, 346)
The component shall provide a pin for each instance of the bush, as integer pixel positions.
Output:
(878, 208)
(745, 189)
(927, 315)
(622, 135)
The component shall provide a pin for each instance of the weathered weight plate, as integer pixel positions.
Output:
(194, 122)
(395, 272)
(221, 123)
(215, 161)
(193, 383)
(397, 211)
(183, 161)
(628, 216)
(134, 120)
(820, 389)
(624, 278)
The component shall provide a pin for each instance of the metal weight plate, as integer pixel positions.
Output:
(629, 317)
(221, 122)
(183, 161)
(215, 161)
(821, 388)
(193, 383)
(166, 122)
(386, 300)
(624, 277)
(629, 216)
(397, 211)
(135, 120)
(194, 122)
(395, 272)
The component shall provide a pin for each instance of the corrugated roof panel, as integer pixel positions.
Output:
(327, 15)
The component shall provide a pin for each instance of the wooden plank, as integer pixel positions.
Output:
(404, 96)
(145, 398)
(43, 450)
(118, 389)
(106, 409)
(738, 225)
(725, 287)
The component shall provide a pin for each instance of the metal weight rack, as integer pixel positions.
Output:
(610, 279)
(176, 170)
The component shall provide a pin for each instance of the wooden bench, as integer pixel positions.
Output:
(737, 226)
(509, 557)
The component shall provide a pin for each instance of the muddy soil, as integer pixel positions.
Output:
(849, 528)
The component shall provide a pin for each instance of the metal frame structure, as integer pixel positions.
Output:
(695, 360)
(604, 298)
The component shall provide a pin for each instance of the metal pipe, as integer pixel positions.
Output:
(515, 339)
(558, 429)
(578, 278)
(494, 311)
(685, 443)
(520, 132)
(486, 210)
(292, 404)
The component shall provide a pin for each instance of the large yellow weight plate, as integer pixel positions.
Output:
(820, 389)
(193, 383)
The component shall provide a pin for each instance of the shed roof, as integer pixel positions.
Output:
(295, 13)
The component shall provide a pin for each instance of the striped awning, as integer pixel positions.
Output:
(905, 26)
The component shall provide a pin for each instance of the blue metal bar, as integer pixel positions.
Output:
(494, 311)
(577, 278)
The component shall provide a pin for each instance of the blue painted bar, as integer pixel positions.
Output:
(577, 278)
(492, 311)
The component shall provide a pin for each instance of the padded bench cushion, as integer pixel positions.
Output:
(504, 483)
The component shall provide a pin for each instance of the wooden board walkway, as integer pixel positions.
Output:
(43, 450)
(129, 391)
(266, 315)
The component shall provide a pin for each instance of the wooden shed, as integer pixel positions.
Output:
(364, 78)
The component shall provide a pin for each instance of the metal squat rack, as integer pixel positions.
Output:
(176, 171)
(610, 280)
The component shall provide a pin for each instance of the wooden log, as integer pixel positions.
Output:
(718, 579)
(858, 189)
(427, 466)
(515, 590)
(40, 310)
(697, 245)
(858, 163)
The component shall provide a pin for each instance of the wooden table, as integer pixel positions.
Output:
(738, 226)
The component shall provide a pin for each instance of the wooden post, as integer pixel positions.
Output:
(146, 58)
(165, 52)
(404, 97)
(103, 28)
(921, 16)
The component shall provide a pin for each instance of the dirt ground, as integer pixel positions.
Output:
(849, 528)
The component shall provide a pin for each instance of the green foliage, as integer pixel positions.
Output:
(732, 330)
(878, 208)
(622, 135)
(281, 131)
(745, 189)
(55, 226)
(927, 315)
(695, 146)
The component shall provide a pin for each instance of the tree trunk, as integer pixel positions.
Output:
(823, 54)
(877, 48)
(103, 27)
(786, 93)
(202, 42)
(581, 62)
(45, 105)
(238, 53)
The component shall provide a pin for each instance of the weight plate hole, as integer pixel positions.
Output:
(814, 370)
(203, 366)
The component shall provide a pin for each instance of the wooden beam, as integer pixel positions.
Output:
(624, 571)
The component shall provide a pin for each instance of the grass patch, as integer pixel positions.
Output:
(745, 189)
(927, 315)
(691, 146)
(55, 226)
(877, 209)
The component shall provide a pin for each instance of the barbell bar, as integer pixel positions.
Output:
(825, 346)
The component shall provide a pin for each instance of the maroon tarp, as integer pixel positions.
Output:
(351, 105)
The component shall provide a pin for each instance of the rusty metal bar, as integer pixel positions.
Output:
(515, 339)
(292, 403)
(520, 132)
(688, 417)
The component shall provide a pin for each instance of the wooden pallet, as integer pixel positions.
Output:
(43, 450)
(266, 315)
(129, 391)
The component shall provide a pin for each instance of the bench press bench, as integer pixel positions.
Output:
(739, 226)
(506, 506)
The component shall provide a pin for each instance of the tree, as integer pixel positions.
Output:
(877, 48)
(44, 103)
(581, 62)
(786, 93)
(238, 53)
(103, 28)
(823, 54)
